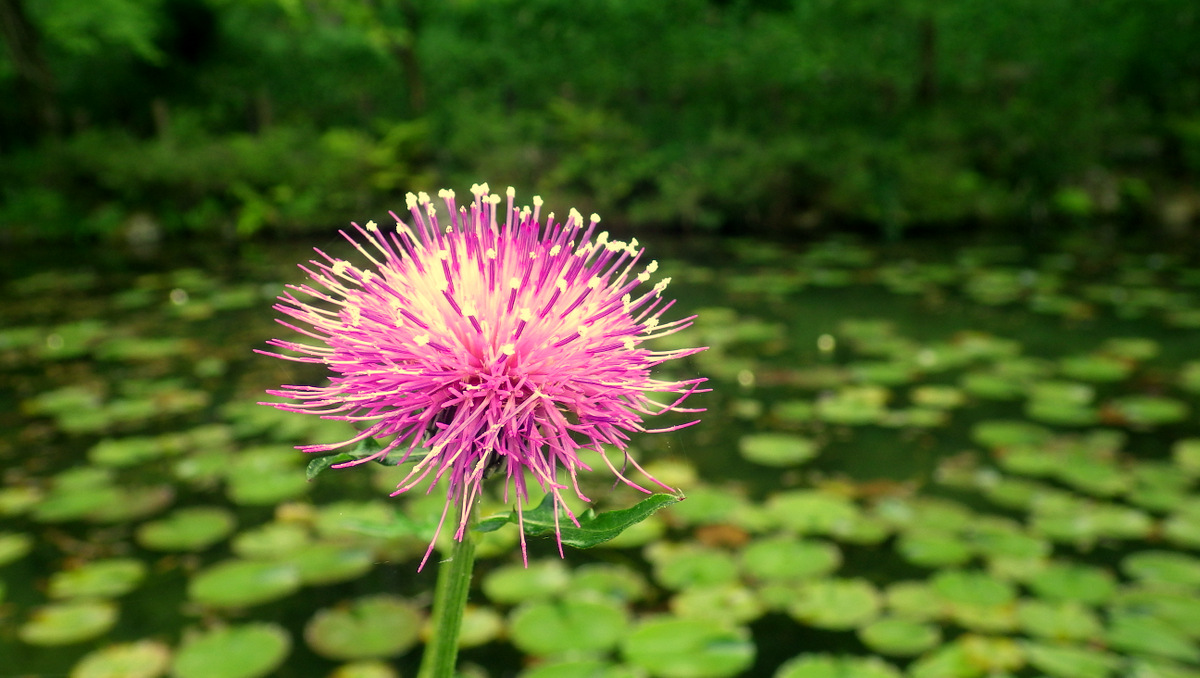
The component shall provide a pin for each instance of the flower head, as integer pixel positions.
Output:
(491, 344)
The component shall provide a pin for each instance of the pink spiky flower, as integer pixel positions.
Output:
(510, 347)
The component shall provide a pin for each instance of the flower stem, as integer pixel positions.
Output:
(449, 602)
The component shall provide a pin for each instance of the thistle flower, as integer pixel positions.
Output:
(482, 347)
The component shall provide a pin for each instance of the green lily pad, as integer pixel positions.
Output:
(830, 666)
(1005, 433)
(187, 529)
(900, 637)
(140, 659)
(786, 558)
(837, 604)
(1059, 621)
(14, 546)
(1132, 348)
(1095, 367)
(480, 625)
(265, 476)
(1067, 582)
(373, 627)
(134, 503)
(513, 584)
(938, 396)
(777, 449)
(678, 567)
(812, 511)
(69, 622)
(581, 668)
(1061, 412)
(992, 386)
(1186, 455)
(1145, 411)
(933, 548)
(125, 452)
(98, 579)
(241, 651)
(331, 563)
(689, 648)
(728, 602)
(271, 541)
(1071, 661)
(972, 588)
(242, 583)
(1181, 611)
(913, 600)
(618, 583)
(1163, 567)
(18, 499)
(853, 405)
(550, 627)
(1144, 634)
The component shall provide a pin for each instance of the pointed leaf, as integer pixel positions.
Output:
(594, 528)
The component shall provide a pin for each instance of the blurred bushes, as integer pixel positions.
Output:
(732, 114)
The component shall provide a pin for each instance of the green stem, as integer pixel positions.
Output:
(449, 602)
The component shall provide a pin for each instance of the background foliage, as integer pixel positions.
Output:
(230, 117)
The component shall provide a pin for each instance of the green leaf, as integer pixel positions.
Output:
(594, 528)
(321, 464)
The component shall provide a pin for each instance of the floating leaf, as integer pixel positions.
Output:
(812, 511)
(1148, 411)
(1073, 582)
(512, 584)
(330, 563)
(786, 558)
(1009, 433)
(1165, 567)
(777, 449)
(140, 659)
(67, 623)
(933, 548)
(829, 666)
(728, 602)
(1066, 620)
(14, 546)
(1144, 634)
(242, 583)
(372, 627)
(549, 627)
(241, 651)
(187, 529)
(836, 604)
(610, 582)
(678, 567)
(898, 636)
(98, 579)
(689, 648)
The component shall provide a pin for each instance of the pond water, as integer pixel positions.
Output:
(928, 461)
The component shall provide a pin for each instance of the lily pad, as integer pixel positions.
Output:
(140, 659)
(777, 449)
(1008, 433)
(373, 627)
(830, 666)
(1095, 367)
(900, 637)
(786, 558)
(187, 529)
(68, 623)
(933, 548)
(1145, 411)
(689, 648)
(1066, 620)
(98, 579)
(913, 600)
(728, 602)
(972, 588)
(1163, 567)
(1144, 634)
(551, 627)
(242, 583)
(271, 541)
(1186, 455)
(678, 567)
(14, 546)
(513, 584)
(1066, 582)
(480, 625)
(241, 651)
(837, 604)
(812, 511)
(331, 563)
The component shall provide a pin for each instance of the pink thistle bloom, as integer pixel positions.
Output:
(506, 346)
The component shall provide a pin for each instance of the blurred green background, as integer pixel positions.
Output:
(236, 117)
